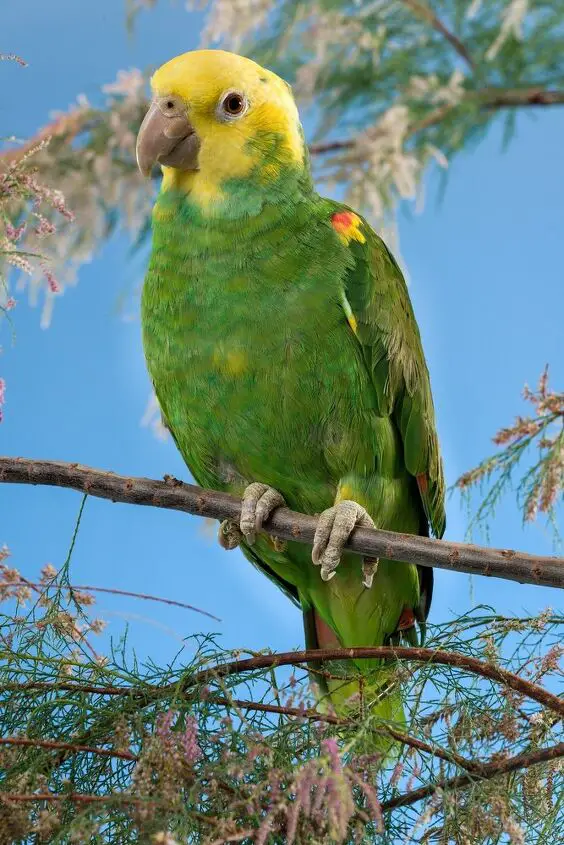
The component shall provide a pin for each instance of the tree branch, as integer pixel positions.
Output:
(66, 746)
(113, 591)
(424, 13)
(512, 764)
(78, 120)
(475, 766)
(286, 524)
(420, 655)
(293, 658)
(488, 98)
(489, 770)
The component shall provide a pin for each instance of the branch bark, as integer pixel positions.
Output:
(66, 746)
(489, 770)
(423, 12)
(294, 658)
(286, 524)
(113, 591)
(419, 655)
(488, 98)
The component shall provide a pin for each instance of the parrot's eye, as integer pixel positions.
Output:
(233, 104)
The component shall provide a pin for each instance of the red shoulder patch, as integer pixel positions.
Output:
(422, 483)
(348, 226)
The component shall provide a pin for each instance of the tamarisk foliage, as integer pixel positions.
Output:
(214, 749)
(389, 88)
(231, 747)
(541, 488)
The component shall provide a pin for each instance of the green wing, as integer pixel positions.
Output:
(386, 329)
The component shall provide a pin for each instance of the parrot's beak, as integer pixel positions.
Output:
(167, 137)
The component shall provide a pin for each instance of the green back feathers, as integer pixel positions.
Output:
(391, 344)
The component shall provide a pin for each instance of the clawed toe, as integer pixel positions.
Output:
(334, 528)
(259, 500)
(229, 534)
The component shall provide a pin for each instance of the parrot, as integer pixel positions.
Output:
(283, 350)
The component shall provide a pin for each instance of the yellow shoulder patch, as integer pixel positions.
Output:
(348, 313)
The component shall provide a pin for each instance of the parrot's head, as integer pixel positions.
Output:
(217, 119)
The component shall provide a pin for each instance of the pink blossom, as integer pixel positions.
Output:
(189, 741)
(14, 233)
(11, 57)
(54, 285)
(2, 396)
(332, 749)
(45, 227)
(163, 725)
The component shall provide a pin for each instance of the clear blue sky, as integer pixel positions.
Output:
(487, 284)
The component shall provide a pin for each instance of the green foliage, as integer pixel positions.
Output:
(541, 488)
(110, 750)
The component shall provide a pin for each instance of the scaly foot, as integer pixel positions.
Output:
(259, 500)
(333, 530)
(229, 534)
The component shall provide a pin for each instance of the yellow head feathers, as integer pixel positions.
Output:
(232, 104)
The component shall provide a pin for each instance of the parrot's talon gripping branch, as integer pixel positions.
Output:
(369, 570)
(229, 535)
(259, 501)
(334, 528)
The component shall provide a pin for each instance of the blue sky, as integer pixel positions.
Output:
(486, 274)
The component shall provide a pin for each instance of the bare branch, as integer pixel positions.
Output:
(420, 655)
(490, 770)
(424, 13)
(66, 746)
(293, 658)
(520, 761)
(113, 591)
(488, 98)
(286, 524)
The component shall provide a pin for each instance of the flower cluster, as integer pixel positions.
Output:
(543, 484)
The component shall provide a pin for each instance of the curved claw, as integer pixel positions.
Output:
(333, 530)
(259, 500)
(229, 535)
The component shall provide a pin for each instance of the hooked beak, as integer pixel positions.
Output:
(167, 137)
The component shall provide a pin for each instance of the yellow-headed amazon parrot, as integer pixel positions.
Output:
(284, 352)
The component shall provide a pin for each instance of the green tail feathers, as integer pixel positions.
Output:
(374, 700)
(366, 691)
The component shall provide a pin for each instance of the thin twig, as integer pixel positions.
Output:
(79, 636)
(487, 98)
(115, 592)
(66, 746)
(424, 13)
(309, 713)
(78, 797)
(286, 524)
(82, 798)
(489, 770)
(475, 766)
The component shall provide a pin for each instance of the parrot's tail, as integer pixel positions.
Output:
(368, 689)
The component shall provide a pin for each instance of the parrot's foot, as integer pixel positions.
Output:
(333, 530)
(259, 500)
(229, 535)
(369, 567)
